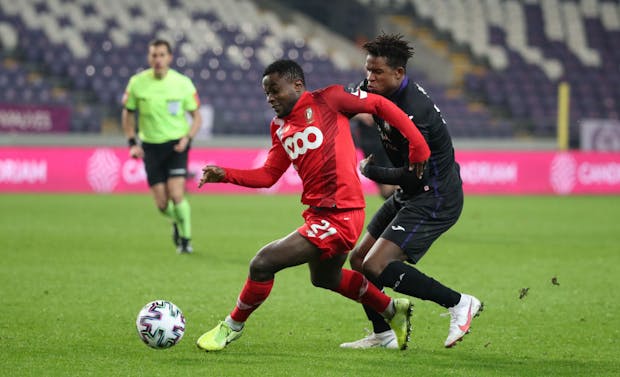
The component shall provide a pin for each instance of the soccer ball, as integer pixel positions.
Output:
(160, 324)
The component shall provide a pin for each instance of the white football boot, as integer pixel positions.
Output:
(386, 339)
(460, 318)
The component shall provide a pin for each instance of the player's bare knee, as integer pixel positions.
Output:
(356, 259)
(371, 268)
(260, 268)
(176, 199)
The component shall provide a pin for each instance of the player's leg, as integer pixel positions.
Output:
(157, 174)
(289, 251)
(382, 335)
(328, 274)
(386, 263)
(166, 208)
(357, 255)
(176, 165)
(334, 233)
(182, 210)
(160, 197)
(417, 225)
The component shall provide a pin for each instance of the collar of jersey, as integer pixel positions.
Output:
(400, 89)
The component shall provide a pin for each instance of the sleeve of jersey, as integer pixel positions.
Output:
(267, 175)
(392, 176)
(364, 102)
(129, 101)
(192, 100)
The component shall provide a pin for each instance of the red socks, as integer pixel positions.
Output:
(352, 285)
(356, 287)
(252, 295)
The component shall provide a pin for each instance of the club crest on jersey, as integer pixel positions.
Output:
(309, 115)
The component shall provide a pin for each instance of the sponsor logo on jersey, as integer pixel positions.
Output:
(302, 142)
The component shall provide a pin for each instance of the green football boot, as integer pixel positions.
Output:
(218, 338)
(401, 321)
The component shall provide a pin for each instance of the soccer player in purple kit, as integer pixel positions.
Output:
(421, 210)
(311, 131)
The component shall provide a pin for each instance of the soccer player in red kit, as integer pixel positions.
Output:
(311, 131)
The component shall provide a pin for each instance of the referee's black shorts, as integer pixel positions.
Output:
(414, 223)
(161, 162)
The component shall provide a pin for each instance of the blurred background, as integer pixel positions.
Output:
(492, 66)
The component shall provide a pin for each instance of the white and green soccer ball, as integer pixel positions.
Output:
(160, 324)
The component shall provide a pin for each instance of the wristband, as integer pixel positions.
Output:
(132, 141)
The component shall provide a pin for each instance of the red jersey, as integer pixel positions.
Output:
(316, 138)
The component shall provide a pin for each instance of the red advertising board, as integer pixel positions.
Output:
(110, 170)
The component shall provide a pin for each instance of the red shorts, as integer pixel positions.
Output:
(333, 231)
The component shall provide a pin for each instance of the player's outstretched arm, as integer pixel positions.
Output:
(262, 177)
(265, 176)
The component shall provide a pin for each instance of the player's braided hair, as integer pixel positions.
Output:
(286, 68)
(392, 47)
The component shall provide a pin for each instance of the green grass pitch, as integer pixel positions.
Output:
(76, 269)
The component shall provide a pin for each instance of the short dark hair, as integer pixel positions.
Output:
(286, 68)
(392, 47)
(161, 42)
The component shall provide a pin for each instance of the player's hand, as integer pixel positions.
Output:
(210, 174)
(181, 146)
(136, 151)
(370, 160)
(418, 167)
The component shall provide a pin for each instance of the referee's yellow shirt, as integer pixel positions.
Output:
(161, 104)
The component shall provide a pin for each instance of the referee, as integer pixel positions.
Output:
(161, 97)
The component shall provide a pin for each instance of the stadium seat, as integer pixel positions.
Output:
(94, 47)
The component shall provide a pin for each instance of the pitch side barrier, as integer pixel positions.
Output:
(108, 169)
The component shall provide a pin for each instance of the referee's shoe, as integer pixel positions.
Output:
(184, 246)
